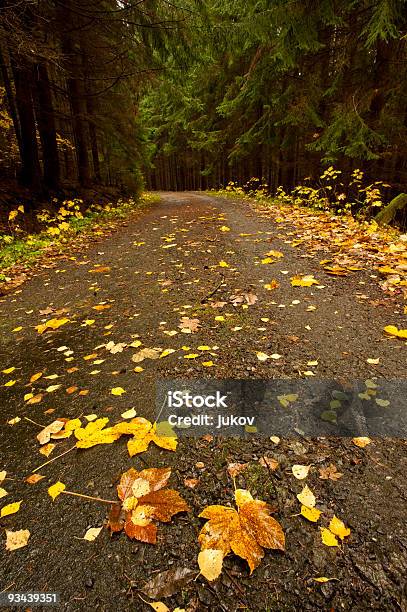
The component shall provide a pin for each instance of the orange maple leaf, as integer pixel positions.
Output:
(245, 531)
(143, 500)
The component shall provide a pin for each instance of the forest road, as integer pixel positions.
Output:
(133, 288)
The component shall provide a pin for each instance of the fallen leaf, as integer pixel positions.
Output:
(146, 353)
(14, 421)
(338, 528)
(245, 532)
(47, 449)
(328, 538)
(92, 533)
(144, 499)
(10, 509)
(311, 514)
(96, 433)
(235, 468)
(51, 324)
(45, 434)
(143, 433)
(169, 582)
(35, 377)
(392, 330)
(129, 414)
(191, 483)
(117, 391)
(269, 463)
(17, 539)
(34, 478)
(188, 325)
(210, 563)
(330, 473)
(306, 497)
(303, 281)
(300, 471)
(361, 442)
(56, 489)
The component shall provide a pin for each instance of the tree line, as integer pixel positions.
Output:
(72, 74)
(279, 89)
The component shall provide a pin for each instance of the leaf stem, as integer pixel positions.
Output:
(53, 459)
(99, 499)
(31, 421)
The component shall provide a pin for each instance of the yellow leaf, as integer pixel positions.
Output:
(10, 509)
(306, 497)
(338, 528)
(392, 330)
(8, 371)
(47, 449)
(94, 433)
(224, 228)
(129, 414)
(208, 364)
(14, 421)
(51, 324)
(361, 442)
(56, 489)
(262, 356)
(311, 514)
(3, 492)
(35, 377)
(17, 539)
(159, 606)
(323, 579)
(191, 356)
(138, 369)
(223, 264)
(52, 388)
(328, 538)
(10, 383)
(300, 471)
(92, 533)
(12, 215)
(242, 496)
(210, 563)
(167, 352)
(117, 391)
(304, 281)
(17, 329)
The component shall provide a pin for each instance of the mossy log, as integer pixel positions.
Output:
(389, 212)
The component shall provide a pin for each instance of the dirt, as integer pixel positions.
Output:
(344, 331)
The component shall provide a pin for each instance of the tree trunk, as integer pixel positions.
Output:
(30, 174)
(46, 128)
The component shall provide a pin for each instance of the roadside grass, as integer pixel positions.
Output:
(61, 231)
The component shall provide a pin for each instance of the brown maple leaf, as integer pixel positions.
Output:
(245, 531)
(143, 500)
(251, 298)
(330, 473)
(189, 324)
